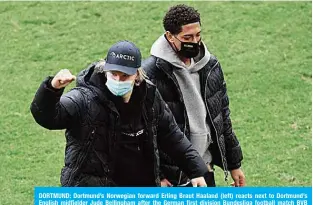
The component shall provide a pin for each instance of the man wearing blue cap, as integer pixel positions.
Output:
(115, 123)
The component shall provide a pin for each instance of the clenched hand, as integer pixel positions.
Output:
(63, 78)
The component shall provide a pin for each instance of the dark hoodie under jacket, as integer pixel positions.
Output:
(93, 124)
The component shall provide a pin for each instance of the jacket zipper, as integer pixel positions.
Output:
(219, 147)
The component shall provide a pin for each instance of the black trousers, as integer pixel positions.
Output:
(209, 179)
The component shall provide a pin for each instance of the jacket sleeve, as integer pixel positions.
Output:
(51, 110)
(174, 143)
(233, 150)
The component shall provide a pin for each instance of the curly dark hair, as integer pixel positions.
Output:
(178, 16)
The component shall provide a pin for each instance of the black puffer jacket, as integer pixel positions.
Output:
(225, 148)
(92, 124)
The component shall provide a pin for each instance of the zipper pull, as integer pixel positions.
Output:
(226, 176)
(92, 135)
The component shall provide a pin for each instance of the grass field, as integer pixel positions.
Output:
(264, 48)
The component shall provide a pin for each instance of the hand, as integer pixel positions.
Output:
(62, 79)
(198, 182)
(238, 177)
(165, 183)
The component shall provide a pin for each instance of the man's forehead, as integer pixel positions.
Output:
(191, 28)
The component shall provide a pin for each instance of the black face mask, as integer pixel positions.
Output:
(188, 49)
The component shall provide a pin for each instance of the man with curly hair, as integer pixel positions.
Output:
(191, 81)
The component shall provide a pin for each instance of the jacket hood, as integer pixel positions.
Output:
(162, 49)
(86, 77)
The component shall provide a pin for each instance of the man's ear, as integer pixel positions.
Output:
(169, 36)
(137, 82)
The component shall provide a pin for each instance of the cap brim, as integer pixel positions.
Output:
(124, 69)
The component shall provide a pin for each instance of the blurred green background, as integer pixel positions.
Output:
(264, 49)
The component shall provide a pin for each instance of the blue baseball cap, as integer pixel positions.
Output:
(123, 56)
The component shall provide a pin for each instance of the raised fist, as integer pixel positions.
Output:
(62, 79)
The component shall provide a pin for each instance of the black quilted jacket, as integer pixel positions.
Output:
(225, 148)
(92, 124)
